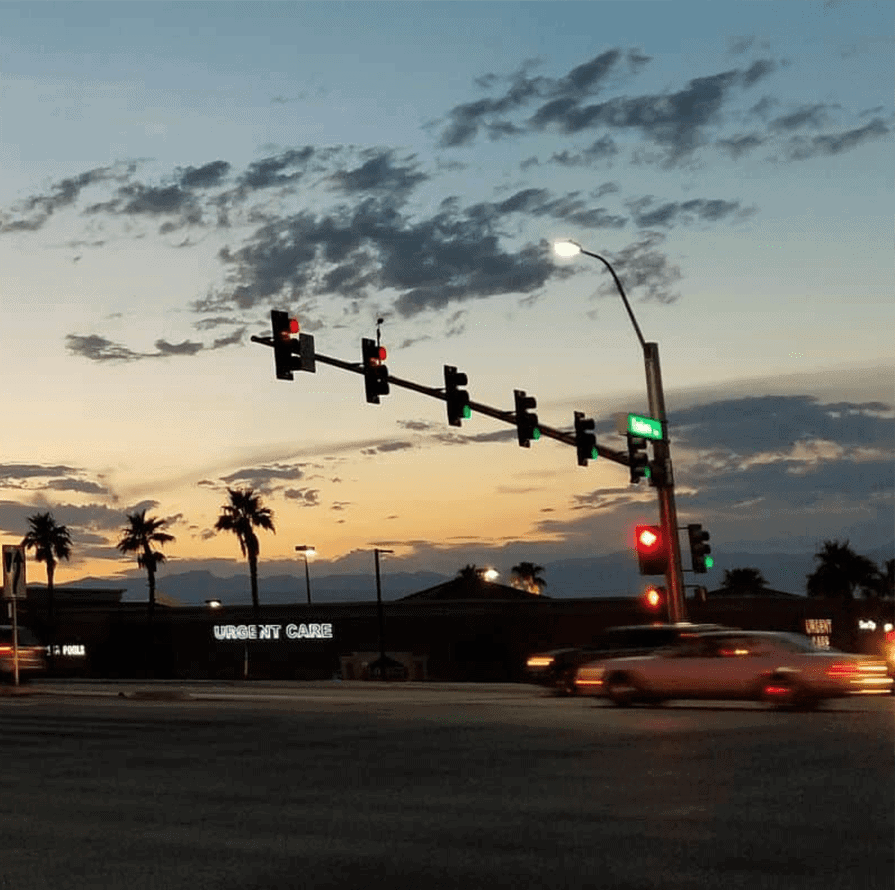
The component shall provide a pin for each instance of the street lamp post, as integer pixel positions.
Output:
(307, 550)
(379, 613)
(674, 575)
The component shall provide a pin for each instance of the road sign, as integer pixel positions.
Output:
(13, 571)
(645, 427)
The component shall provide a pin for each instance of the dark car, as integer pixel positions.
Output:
(32, 655)
(557, 667)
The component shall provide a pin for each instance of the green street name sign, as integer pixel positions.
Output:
(645, 427)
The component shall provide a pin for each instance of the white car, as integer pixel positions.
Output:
(780, 668)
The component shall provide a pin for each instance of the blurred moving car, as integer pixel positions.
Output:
(779, 668)
(557, 668)
(32, 656)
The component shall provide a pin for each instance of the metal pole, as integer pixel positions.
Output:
(381, 617)
(674, 576)
(307, 578)
(15, 641)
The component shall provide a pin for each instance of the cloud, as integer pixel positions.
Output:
(277, 170)
(737, 146)
(307, 497)
(603, 149)
(265, 478)
(206, 176)
(100, 349)
(81, 485)
(801, 148)
(646, 214)
(644, 270)
(372, 245)
(37, 210)
(806, 116)
(379, 174)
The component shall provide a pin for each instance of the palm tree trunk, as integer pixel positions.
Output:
(51, 629)
(150, 617)
(253, 576)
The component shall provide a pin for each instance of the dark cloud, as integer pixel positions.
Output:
(765, 423)
(206, 176)
(806, 116)
(647, 214)
(385, 447)
(278, 170)
(604, 149)
(307, 497)
(268, 477)
(141, 199)
(674, 122)
(801, 148)
(35, 211)
(539, 202)
(737, 146)
(448, 257)
(465, 121)
(378, 173)
(81, 485)
(101, 349)
(9, 472)
(644, 271)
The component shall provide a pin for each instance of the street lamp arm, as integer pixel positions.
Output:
(621, 290)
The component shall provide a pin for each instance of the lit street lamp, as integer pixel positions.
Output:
(664, 479)
(307, 550)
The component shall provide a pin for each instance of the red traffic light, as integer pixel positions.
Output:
(382, 355)
(652, 549)
(294, 326)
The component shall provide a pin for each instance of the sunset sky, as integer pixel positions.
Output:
(169, 172)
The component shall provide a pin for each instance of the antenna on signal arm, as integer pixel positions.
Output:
(379, 322)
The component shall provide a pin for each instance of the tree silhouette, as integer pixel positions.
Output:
(242, 516)
(527, 576)
(139, 536)
(50, 542)
(841, 572)
(470, 572)
(883, 582)
(743, 580)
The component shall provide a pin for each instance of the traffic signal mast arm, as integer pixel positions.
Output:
(480, 408)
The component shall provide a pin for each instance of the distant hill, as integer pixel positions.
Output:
(612, 575)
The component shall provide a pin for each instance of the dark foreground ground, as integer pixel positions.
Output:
(423, 787)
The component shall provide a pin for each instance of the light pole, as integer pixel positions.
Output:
(664, 481)
(376, 552)
(307, 550)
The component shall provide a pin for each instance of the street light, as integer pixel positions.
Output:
(664, 479)
(307, 550)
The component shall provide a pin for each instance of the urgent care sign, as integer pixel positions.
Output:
(273, 632)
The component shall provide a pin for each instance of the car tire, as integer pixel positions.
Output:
(621, 690)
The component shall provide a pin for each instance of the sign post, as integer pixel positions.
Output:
(13, 589)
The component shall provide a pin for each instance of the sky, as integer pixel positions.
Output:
(171, 172)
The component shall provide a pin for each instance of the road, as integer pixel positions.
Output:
(410, 786)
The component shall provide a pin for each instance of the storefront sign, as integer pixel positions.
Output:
(819, 629)
(273, 632)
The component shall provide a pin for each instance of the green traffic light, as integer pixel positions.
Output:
(709, 562)
(535, 433)
(647, 473)
(467, 412)
(594, 454)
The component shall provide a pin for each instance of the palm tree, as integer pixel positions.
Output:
(470, 572)
(841, 572)
(242, 516)
(527, 576)
(743, 580)
(50, 542)
(139, 537)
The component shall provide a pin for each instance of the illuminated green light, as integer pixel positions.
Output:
(647, 473)
(535, 433)
(467, 412)
(709, 562)
(594, 454)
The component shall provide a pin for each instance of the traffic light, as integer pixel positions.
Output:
(638, 459)
(526, 422)
(652, 549)
(289, 354)
(585, 440)
(654, 597)
(458, 408)
(699, 548)
(375, 373)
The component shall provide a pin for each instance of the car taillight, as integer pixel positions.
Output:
(841, 670)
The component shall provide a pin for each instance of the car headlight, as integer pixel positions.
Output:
(539, 661)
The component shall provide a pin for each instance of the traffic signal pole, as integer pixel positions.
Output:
(664, 478)
(674, 576)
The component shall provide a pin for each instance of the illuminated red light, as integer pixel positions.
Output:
(653, 597)
(293, 326)
(647, 538)
(890, 636)
(383, 355)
